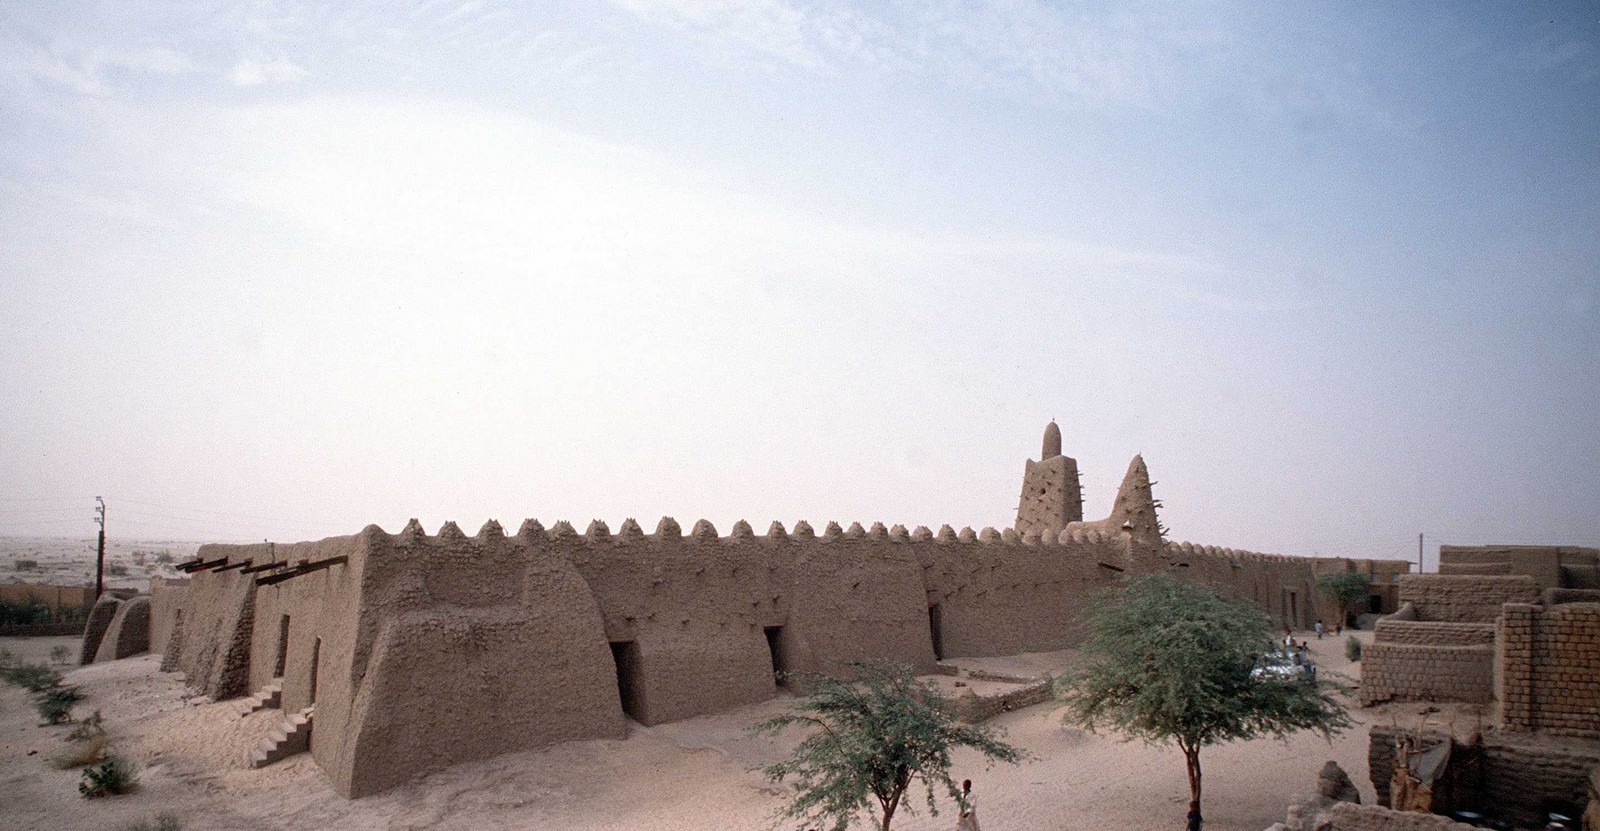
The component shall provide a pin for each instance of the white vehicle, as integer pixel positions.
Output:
(1292, 666)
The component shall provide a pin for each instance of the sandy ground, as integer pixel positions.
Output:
(70, 562)
(694, 775)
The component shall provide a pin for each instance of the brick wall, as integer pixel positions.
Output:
(1465, 598)
(1430, 633)
(1411, 672)
(1548, 666)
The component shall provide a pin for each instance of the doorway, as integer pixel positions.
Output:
(780, 666)
(625, 654)
(936, 630)
(283, 647)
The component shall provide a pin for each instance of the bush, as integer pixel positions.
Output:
(26, 612)
(87, 729)
(35, 677)
(78, 754)
(59, 654)
(7, 660)
(115, 775)
(1352, 648)
(162, 822)
(55, 704)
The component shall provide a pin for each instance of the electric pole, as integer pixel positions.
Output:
(100, 558)
(1419, 553)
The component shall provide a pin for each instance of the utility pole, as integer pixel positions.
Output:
(100, 558)
(1419, 553)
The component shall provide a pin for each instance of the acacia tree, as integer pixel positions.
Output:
(869, 740)
(1170, 661)
(1346, 588)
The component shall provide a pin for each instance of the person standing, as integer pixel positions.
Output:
(968, 820)
(1319, 629)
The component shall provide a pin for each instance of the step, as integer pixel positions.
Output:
(291, 736)
(270, 696)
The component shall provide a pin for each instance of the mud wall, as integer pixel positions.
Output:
(1431, 633)
(94, 629)
(166, 598)
(467, 648)
(1551, 566)
(1548, 662)
(128, 633)
(1517, 779)
(1408, 672)
(214, 644)
(1465, 598)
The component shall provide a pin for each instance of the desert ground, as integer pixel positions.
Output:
(57, 561)
(694, 775)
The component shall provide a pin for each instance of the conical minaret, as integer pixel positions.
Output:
(1052, 494)
(1135, 509)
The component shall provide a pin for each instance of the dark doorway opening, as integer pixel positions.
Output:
(780, 666)
(626, 656)
(283, 647)
(1294, 610)
(936, 630)
(316, 660)
(1375, 603)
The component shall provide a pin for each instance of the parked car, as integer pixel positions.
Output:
(1288, 667)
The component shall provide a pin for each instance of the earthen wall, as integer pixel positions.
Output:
(1433, 633)
(1550, 566)
(128, 633)
(1465, 598)
(166, 597)
(1415, 672)
(1548, 663)
(1517, 777)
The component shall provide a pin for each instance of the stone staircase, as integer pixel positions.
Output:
(292, 735)
(269, 696)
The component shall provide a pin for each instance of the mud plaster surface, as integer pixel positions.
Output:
(685, 776)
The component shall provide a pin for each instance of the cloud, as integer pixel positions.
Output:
(249, 72)
(1033, 49)
(85, 71)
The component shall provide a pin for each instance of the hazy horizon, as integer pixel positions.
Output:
(278, 271)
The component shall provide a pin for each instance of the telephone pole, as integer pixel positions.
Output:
(1419, 553)
(100, 558)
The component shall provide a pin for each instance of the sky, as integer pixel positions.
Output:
(281, 270)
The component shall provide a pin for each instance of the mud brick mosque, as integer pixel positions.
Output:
(410, 652)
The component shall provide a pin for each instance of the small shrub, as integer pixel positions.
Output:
(1352, 648)
(55, 704)
(7, 660)
(80, 753)
(117, 570)
(58, 654)
(116, 775)
(89, 728)
(162, 822)
(27, 565)
(35, 677)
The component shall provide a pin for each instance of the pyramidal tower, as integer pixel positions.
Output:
(1052, 494)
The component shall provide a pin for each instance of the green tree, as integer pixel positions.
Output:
(1348, 589)
(1171, 661)
(869, 740)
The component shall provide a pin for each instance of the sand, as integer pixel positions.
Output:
(693, 775)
